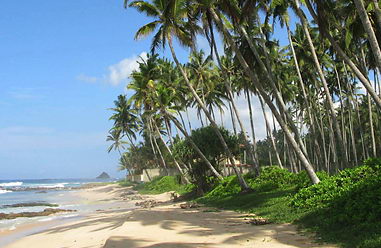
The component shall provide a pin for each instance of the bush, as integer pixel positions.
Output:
(338, 186)
(229, 186)
(271, 177)
(302, 180)
(164, 184)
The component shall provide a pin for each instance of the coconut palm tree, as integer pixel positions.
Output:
(170, 20)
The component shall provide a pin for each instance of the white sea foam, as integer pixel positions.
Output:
(3, 191)
(12, 228)
(52, 186)
(47, 219)
(11, 184)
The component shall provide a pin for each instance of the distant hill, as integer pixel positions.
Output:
(104, 175)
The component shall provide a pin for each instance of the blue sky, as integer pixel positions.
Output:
(62, 65)
(56, 84)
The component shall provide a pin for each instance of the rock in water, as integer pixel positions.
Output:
(104, 175)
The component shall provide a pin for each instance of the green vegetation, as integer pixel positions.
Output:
(164, 184)
(343, 208)
(319, 124)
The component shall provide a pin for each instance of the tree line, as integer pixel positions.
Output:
(311, 85)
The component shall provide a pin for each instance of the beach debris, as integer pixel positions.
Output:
(41, 192)
(133, 198)
(174, 195)
(46, 212)
(257, 221)
(128, 193)
(189, 205)
(147, 204)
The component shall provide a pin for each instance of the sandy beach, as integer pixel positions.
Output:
(117, 225)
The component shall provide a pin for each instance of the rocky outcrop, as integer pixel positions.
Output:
(46, 212)
(30, 204)
(104, 175)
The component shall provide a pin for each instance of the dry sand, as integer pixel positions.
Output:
(166, 225)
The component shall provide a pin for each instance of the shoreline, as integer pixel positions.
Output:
(119, 223)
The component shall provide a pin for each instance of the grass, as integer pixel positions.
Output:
(358, 227)
(273, 205)
(164, 184)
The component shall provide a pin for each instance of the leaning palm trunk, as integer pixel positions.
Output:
(277, 93)
(241, 180)
(268, 126)
(327, 93)
(185, 133)
(369, 30)
(237, 115)
(310, 171)
(368, 86)
(173, 158)
(252, 128)
(378, 12)
(372, 127)
(157, 147)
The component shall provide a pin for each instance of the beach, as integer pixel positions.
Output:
(116, 222)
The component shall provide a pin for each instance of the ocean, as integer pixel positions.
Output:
(49, 191)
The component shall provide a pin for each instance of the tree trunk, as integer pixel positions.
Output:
(241, 180)
(342, 54)
(252, 129)
(369, 30)
(268, 127)
(327, 93)
(373, 139)
(173, 158)
(184, 132)
(310, 171)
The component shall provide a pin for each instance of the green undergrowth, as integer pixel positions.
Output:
(126, 183)
(164, 184)
(344, 208)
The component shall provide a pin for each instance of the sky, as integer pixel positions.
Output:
(62, 64)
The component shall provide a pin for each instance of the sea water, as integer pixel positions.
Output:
(53, 191)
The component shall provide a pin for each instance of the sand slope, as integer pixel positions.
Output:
(164, 226)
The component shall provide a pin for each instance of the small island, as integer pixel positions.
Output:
(104, 175)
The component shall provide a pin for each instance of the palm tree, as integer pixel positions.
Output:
(170, 21)
(265, 97)
(115, 137)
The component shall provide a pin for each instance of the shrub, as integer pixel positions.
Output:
(272, 177)
(337, 186)
(229, 186)
(302, 180)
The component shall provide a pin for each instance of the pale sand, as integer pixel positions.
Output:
(166, 225)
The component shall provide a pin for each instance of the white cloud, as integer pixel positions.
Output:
(117, 73)
(87, 79)
(121, 71)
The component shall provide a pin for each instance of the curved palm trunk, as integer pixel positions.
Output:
(368, 86)
(252, 129)
(268, 126)
(378, 12)
(248, 147)
(153, 139)
(185, 133)
(173, 158)
(373, 139)
(309, 168)
(241, 180)
(278, 96)
(369, 30)
(327, 93)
